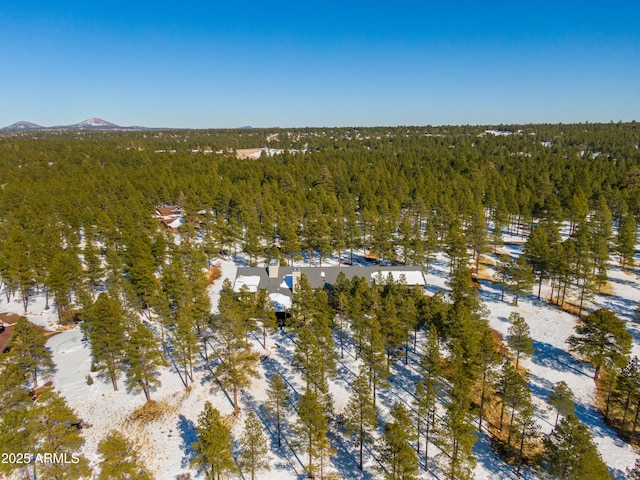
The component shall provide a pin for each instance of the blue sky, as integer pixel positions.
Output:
(218, 64)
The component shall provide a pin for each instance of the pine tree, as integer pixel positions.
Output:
(144, 359)
(509, 387)
(360, 415)
(626, 240)
(93, 264)
(457, 435)
(373, 357)
(105, 328)
(538, 253)
(214, 447)
(602, 338)
(120, 460)
(628, 390)
(477, 236)
(520, 277)
(277, 403)
(431, 370)
(17, 424)
(600, 230)
(238, 362)
(526, 430)
(55, 429)
(139, 267)
(561, 398)
(254, 449)
(266, 315)
(311, 429)
(570, 454)
(28, 348)
(489, 358)
(398, 457)
(185, 344)
(519, 339)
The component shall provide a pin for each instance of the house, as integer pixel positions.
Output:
(170, 216)
(280, 282)
(6, 329)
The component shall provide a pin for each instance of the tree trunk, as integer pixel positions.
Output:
(361, 442)
(539, 285)
(597, 373)
(147, 393)
(635, 421)
(278, 425)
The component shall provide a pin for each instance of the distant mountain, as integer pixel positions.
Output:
(95, 123)
(24, 126)
(88, 124)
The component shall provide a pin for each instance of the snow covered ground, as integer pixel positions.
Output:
(166, 442)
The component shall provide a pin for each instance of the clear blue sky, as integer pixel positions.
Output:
(280, 63)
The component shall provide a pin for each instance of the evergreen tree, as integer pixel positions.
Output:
(238, 362)
(185, 344)
(583, 265)
(55, 430)
(628, 391)
(398, 457)
(139, 267)
(477, 236)
(602, 338)
(16, 419)
(93, 264)
(144, 359)
(266, 315)
(214, 447)
(456, 245)
(373, 356)
(520, 277)
(561, 398)
(570, 454)
(120, 460)
(360, 414)
(311, 429)
(489, 358)
(253, 447)
(538, 253)
(431, 370)
(105, 329)
(278, 402)
(526, 431)
(457, 435)
(519, 339)
(626, 240)
(28, 348)
(600, 229)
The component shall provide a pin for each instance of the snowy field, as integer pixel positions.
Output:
(166, 443)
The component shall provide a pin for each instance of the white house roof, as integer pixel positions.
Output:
(251, 281)
(411, 277)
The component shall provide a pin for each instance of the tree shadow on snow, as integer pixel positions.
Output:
(288, 456)
(189, 436)
(546, 355)
(490, 461)
(345, 461)
(591, 417)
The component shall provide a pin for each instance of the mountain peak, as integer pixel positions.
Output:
(23, 126)
(95, 122)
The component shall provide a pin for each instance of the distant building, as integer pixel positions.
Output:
(170, 216)
(280, 282)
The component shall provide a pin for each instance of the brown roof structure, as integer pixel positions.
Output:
(6, 319)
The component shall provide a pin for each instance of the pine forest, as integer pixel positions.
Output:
(453, 302)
